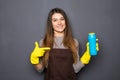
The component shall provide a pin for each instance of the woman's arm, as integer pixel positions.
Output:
(79, 65)
(39, 67)
(36, 56)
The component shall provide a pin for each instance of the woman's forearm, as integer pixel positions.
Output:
(39, 67)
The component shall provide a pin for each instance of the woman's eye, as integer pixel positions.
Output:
(54, 20)
(62, 19)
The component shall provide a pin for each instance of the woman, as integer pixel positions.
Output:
(58, 51)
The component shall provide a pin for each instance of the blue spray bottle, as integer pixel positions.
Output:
(92, 44)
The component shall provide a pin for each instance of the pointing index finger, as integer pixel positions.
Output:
(45, 48)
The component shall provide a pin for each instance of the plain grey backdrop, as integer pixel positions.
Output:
(22, 22)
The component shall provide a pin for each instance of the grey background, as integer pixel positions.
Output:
(23, 21)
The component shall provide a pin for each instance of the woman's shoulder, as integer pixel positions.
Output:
(76, 41)
(40, 42)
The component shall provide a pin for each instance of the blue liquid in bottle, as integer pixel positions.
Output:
(92, 44)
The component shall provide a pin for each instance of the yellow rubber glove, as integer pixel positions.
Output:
(37, 52)
(86, 56)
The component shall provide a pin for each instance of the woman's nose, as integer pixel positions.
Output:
(59, 22)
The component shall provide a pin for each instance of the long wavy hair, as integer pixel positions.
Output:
(68, 40)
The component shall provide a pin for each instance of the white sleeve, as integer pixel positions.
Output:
(78, 66)
(40, 44)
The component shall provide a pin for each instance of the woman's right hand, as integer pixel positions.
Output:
(37, 52)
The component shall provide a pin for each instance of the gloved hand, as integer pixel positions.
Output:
(86, 56)
(37, 52)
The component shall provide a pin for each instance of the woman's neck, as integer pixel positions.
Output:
(56, 34)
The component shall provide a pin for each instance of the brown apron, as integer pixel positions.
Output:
(60, 65)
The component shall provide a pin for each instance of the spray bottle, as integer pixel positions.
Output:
(92, 43)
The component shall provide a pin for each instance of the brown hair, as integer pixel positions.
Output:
(68, 40)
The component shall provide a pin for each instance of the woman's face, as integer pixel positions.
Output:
(58, 23)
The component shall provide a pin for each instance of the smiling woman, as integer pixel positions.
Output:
(59, 25)
(61, 57)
